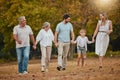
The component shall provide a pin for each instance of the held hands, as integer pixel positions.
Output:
(34, 46)
(19, 41)
(108, 32)
(56, 44)
(72, 41)
(93, 40)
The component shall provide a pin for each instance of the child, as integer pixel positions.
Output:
(82, 41)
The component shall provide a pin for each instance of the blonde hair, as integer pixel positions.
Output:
(106, 18)
(83, 30)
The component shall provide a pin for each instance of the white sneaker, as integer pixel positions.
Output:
(46, 70)
(19, 73)
(25, 72)
(42, 69)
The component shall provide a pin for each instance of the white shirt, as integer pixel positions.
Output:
(82, 41)
(45, 37)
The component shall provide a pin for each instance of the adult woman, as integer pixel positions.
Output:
(103, 29)
(45, 36)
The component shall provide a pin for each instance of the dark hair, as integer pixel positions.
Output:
(65, 16)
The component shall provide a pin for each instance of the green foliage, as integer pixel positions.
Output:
(84, 13)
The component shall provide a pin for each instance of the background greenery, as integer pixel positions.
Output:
(84, 13)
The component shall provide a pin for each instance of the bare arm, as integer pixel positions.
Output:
(32, 39)
(110, 29)
(55, 38)
(16, 39)
(72, 36)
(96, 31)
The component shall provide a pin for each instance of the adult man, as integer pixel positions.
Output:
(22, 34)
(62, 40)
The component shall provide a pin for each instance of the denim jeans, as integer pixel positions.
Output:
(23, 58)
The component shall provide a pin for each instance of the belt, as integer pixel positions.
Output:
(102, 31)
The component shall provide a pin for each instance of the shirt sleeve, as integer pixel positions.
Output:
(52, 36)
(39, 36)
(76, 41)
(71, 27)
(30, 31)
(89, 42)
(57, 28)
(14, 30)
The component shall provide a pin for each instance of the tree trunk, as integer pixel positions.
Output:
(71, 52)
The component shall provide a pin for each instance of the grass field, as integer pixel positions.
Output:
(110, 70)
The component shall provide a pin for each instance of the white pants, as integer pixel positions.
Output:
(63, 49)
(46, 54)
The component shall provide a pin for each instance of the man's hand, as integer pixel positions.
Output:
(72, 41)
(56, 44)
(19, 41)
(34, 47)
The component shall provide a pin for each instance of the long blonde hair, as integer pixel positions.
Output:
(106, 18)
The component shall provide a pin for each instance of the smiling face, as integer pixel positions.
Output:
(47, 28)
(23, 22)
(102, 16)
(82, 32)
(67, 20)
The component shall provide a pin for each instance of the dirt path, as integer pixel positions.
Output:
(110, 71)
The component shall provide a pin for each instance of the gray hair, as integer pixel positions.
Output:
(45, 24)
(21, 18)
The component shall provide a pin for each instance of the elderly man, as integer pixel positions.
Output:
(22, 34)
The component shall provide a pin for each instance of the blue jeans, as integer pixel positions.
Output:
(23, 58)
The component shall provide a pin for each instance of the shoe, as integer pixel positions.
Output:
(100, 67)
(25, 72)
(19, 73)
(46, 70)
(63, 68)
(42, 69)
(59, 68)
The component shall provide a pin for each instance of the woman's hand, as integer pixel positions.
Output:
(19, 41)
(56, 44)
(93, 40)
(72, 41)
(108, 32)
(34, 47)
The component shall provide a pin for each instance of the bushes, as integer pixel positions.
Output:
(6, 57)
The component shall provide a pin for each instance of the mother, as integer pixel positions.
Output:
(103, 29)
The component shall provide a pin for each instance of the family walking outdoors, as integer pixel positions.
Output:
(63, 37)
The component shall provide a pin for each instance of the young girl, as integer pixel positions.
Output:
(82, 41)
(103, 29)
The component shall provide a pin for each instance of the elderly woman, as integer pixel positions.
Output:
(45, 36)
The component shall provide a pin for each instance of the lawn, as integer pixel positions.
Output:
(110, 70)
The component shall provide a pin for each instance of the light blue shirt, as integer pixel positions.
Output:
(64, 31)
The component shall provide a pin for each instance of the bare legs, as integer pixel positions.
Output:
(100, 61)
(80, 57)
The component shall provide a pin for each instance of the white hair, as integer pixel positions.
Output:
(45, 24)
(21, 18)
